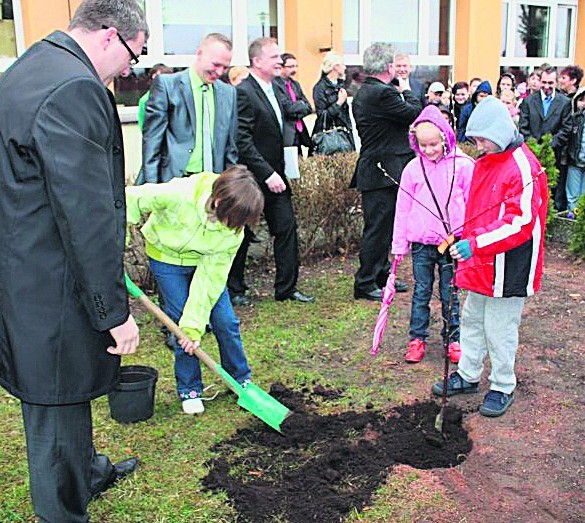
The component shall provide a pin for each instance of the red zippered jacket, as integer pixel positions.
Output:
(505, 222)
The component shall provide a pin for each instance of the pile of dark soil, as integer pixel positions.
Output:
(322, 467)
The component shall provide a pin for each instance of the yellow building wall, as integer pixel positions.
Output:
(478, 35)
(41, 18)
(310, 26)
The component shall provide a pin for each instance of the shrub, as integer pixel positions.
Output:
(328, 212)
(546, 156)
(577, 243)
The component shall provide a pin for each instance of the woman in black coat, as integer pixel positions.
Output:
(331, 98)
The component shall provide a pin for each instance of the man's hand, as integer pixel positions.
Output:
(189, 346)
(341, 96)
(126, 337)
(461, 250)
(275, 183)
(403, 84)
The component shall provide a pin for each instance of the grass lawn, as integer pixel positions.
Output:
(299, 345)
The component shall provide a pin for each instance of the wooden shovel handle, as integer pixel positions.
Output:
(176, 330)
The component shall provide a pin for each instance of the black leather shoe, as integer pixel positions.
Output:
(120, 472)
(298, 296)
(400, 286)
(375, 295)
(239, 300)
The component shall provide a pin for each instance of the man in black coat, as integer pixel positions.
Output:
(261, 149)
(549, 111)
(383, 114)
(64, 316)
(294, 103)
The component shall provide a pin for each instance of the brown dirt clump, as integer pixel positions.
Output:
(321, 467)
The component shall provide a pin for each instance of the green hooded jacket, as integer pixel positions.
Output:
(179, 231)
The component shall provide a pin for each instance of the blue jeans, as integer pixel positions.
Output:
(575, 186)
(424, 259)
(173, 282)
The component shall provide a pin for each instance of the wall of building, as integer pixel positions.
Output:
(311, 28)
(478, 34)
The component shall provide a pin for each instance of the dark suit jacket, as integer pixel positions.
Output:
(168, 136)
(557, 121)
(293, 112)
(418, 89)
(382, 117)
(62, 225)
(260, 139)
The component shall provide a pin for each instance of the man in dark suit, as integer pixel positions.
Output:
(176, 141)
(64, 317)
(261, 149)
(548, 111)
(383, 114)
(294, 103)
(403, 68)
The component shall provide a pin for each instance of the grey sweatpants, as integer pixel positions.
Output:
(490, 326)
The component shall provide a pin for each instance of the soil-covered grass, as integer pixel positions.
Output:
(526, 466)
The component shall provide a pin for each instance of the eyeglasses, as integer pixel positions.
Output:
(133, 57)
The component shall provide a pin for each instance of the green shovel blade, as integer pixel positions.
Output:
(258, 402)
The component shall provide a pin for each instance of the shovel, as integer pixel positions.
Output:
(251, 397)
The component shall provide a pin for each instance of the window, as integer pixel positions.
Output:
(505, 8)
(532, 34)
(186, 22)
(401, 31)
(7, 30)
(351, 20)
(564, 25)
(262, 19)
(440, 11)
(420, 28)
(535, 31)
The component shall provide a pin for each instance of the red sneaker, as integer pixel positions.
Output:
(416, 351)
(454, 351)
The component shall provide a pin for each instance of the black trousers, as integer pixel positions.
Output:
(379, 207)
(279, 215)
(65, 470)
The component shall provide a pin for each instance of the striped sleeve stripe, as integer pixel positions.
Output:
(509, 229)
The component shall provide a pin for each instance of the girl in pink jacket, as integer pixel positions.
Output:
(430, 206)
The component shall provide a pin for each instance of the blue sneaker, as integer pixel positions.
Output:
(496, 403)
(455, 385)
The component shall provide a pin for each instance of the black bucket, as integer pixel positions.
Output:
(133, 398)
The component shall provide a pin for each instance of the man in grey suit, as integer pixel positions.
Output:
(189, 113)
(549, 111)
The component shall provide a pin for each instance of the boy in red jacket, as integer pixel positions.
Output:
(501, 254)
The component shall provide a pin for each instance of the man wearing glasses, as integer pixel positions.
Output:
(64, 317)
(295, 104)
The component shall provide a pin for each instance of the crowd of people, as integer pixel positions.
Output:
(216, 144)
(548, 102)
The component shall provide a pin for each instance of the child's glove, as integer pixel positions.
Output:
(464, 249)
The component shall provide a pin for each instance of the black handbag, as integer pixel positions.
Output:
(331, 141)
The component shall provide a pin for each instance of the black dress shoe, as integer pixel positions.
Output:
(239, 300)
(298, 296)
(400, 286)
(120, 472)
(375, 295)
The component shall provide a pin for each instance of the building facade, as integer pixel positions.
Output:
(448, 40)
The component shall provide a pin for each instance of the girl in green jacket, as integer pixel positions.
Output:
(193, 231)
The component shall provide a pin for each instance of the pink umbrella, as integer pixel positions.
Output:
(387, 296)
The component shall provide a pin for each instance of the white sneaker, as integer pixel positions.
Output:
(193, 406)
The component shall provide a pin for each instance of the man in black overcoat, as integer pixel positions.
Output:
(64, 311)
(383, 114)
